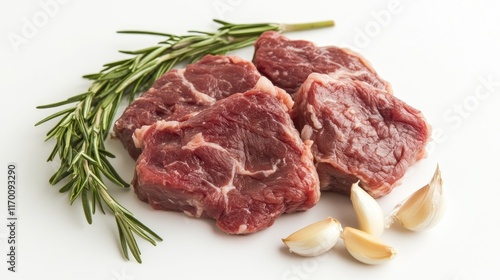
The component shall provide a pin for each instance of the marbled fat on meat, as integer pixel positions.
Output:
(360, 132)
(240, 162)
(288, 63)
(181, 93)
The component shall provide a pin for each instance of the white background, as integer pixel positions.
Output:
(441, 57)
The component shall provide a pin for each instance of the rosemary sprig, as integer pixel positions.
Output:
(82, 128)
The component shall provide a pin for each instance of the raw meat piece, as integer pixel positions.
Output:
(240, 162)
(182, 93)
(288, 63)
(359, 132)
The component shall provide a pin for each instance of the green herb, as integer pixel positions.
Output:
(82, 128)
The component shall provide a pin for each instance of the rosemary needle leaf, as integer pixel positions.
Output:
(110, 75)
(53, 116)
(223, 23)
(127, 237)
(70, 100)
(141, 226)
(141, 51)
(81, 131)
(86, 206)
(106, 153)
(92, 76)
(110, 65)
(107, 169)
(66, 187)
(123, 242)
(96, 200)
(60, 174)
(145, 33)
(78, 189)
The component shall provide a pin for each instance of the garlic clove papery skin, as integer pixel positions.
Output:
(314, 239)
(424, 208)
(367, 248)
(369, 215)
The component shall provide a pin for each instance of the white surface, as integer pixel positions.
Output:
(437, 55)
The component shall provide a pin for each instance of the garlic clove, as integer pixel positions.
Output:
(424, 208)
(314, 239)
(367, 248)
(368, 212)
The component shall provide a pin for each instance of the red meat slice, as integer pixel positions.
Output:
(359, 132)
(240, 162)
(288, 63)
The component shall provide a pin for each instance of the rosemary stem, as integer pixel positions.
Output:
(289, 27)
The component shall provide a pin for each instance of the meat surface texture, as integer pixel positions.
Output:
(288, 63)
(181, 93)
(360, 132)
(240, 162)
